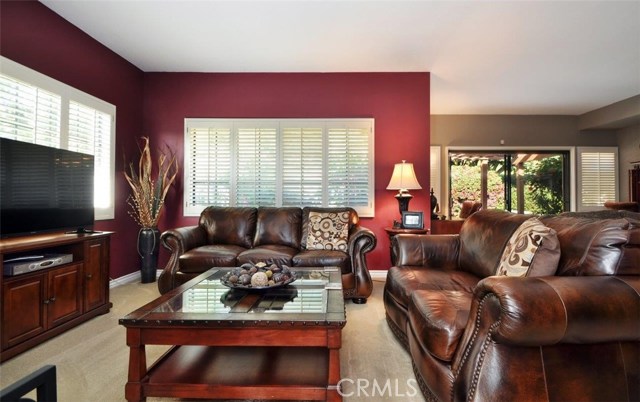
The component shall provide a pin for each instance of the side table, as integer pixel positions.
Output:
(395, 231)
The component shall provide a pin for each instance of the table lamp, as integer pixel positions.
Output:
(403, 179)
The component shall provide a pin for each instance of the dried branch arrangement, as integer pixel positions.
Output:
(147, 198)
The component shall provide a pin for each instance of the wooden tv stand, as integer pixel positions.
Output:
(41, 304)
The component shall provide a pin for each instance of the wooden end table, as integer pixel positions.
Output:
(283, 343)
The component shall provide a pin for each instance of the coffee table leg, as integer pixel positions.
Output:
(137, 366)
(334, 344)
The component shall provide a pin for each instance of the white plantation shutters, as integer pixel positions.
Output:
(208, 166)
(302, 166)
(38, 109)
(597, 176)
(90, 133)
(28, 113)
(348, 167)
(280, 163)
(256, 166)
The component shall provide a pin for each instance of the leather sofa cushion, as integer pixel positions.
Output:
(229, 225)
(438, 319)
(269, 254)
(202, 258)
(483, 237)
(403, 281)
(323, 258)
(278, 226)
(589, 246)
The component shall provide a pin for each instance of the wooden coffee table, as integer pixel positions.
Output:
(283, 343)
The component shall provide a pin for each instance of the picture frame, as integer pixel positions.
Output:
(412, 220)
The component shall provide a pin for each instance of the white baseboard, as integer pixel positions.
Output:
(378, 275)
(129, 278)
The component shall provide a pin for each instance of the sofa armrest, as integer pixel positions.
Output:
(544, 311)
(433, 251)
(361, 241)
(178, 241)
(522, 319)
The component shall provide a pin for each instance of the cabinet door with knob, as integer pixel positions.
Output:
(36, 303)
(64, 296)
(96, 264)
(23, 309)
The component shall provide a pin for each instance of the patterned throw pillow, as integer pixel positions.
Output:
(532, 250)
(328, 231)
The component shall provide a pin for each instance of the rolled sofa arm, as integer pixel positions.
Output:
(433, 251)
(178, 241)
(361, 241)
(561, 309)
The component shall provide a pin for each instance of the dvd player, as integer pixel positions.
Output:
(23, 265)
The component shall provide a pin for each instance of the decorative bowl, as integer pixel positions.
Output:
(258, 277)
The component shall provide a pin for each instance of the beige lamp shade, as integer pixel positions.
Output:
(403, 178)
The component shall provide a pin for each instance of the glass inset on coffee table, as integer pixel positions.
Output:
(281, 343)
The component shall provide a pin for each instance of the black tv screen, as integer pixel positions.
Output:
(44, 189)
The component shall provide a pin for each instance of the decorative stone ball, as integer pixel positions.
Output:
(259, 279)
(233, 279)
(245, 279)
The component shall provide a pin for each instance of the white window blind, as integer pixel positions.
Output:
(302, 166)
(256, 166)
(597, 176)
(279, 163)
(208, 166)
(90, 133)
(38, 109)
(28, 113)
(348, 166)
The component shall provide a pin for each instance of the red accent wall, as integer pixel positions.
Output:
(36, 37)
(399, 103)
(155, 104)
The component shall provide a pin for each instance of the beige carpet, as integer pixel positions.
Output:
(92, 358)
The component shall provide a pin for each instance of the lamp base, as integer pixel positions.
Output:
(403, 201)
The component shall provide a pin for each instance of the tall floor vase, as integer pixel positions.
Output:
(148, 246)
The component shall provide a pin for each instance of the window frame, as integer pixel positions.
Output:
(572, 174)
(280, 124)
(70, 94)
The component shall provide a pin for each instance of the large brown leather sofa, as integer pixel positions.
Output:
(229, 237)
(474, 336)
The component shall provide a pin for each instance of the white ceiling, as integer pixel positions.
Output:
(517, 57)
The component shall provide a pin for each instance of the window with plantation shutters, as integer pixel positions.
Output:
(29, 113)
(279, 162)
(208, 166)
(597, 177)
(38, 109)
(90, 133)
(255, 180)
(348, 165)
(302, 165)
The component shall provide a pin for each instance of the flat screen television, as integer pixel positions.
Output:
(44, 189)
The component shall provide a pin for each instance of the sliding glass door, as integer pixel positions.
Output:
(526, 182)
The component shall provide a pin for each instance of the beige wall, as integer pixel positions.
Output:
(519, 130)
(628, 151)
(488, 130)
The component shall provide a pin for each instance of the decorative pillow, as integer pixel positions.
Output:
(532, 250)
(328, 231)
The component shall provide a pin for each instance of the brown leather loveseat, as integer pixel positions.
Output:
(571, 334)
(229, 237)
